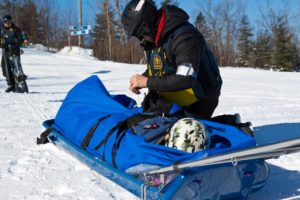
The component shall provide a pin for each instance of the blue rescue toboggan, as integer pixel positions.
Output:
(231, 171)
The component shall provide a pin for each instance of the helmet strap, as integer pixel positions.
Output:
(146, 32)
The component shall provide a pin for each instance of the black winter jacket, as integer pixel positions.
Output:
(11, 36)
(186, 47)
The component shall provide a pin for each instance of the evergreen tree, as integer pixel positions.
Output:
(29, 21)
(284, 54)
(296, 55)
(5, 7)
(100, 45)
(244, 43)
(11, 7)
(263, 50)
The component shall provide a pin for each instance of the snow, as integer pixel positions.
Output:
(41, 47)
(76, 52)
(28, 171)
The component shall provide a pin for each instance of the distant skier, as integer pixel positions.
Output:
(11, 39)
(180, 66)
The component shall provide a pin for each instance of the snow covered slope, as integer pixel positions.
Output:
(28, 171)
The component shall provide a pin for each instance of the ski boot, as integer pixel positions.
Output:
(10, 88)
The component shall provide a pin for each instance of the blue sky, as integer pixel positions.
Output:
(252, 7)
(192, 7)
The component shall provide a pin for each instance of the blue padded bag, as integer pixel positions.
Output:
(89, 101)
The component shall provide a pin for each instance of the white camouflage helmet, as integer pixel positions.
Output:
(189, 135)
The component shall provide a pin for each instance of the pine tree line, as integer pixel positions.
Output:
(224, 25)
(270, 50)
(45, 24)
(109, 39)
(40, 19)
(234, 42)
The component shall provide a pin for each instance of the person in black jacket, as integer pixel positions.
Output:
(180, 67)
(11, 39)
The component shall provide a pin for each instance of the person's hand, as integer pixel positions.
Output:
(137, 82)
(2, 42)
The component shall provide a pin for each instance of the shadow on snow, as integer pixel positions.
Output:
(282, 184)
(276, 132)
(102, 72)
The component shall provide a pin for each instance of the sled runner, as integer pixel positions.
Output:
(97, 128)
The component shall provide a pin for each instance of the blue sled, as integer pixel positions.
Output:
(218, 181)
(90, 112)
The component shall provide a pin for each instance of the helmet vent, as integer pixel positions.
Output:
(140, 5)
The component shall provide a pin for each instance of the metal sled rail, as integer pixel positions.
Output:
(260, 152)
(128, 182)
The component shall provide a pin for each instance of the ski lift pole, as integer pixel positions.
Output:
(80, 41)
(70, 40)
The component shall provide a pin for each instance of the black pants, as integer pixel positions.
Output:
(6, 70)
(204, 108)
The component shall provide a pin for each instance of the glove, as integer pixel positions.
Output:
(155, 104)
(2, 42)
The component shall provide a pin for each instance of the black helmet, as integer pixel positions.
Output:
(138, 17)
(7, 18)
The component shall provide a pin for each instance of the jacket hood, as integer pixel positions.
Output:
(174, 17)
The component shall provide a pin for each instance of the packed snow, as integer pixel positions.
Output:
(28, 171)
(76, 52)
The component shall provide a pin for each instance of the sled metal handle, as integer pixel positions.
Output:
(261, 152)
(144, 190)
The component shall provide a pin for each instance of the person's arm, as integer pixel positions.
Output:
(186, 50)
(2, 39)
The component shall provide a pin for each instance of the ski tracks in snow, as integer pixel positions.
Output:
(28, 171)
(38, 110)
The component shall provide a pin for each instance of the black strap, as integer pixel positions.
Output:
(91, 132)
(122, 126)
(43, 139)
(116, 147)
(128, 123)
(107, 136)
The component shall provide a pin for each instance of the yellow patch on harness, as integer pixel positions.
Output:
(157, 62)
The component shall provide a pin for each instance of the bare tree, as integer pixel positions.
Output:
(118, 7)
(106, 10)
(222, 19)
(120, 29)
(104, 32)
(44, 14)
